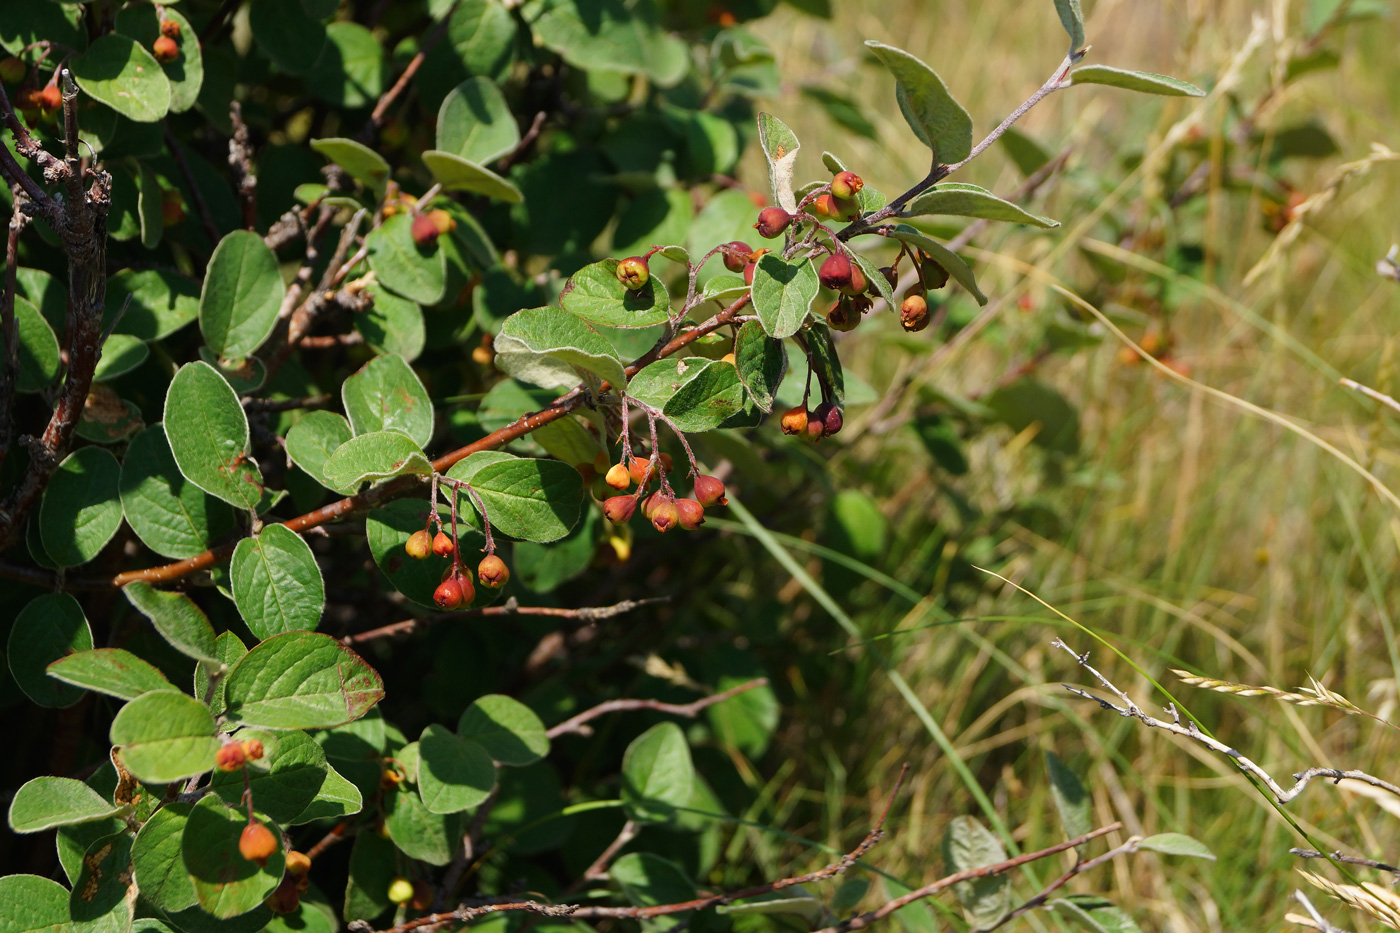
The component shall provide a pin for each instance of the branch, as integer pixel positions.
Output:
(9, 370)
(1190, 731)
(509, 608)
(1345, 859)
(386, 100)
(576, 723)
(1057, 81)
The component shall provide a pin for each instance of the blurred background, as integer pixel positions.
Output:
(1185, 531)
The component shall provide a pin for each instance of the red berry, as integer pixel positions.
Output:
(619, 509)
(690, 513)
(913, 313)
(858, 281)
(830, 417)
(12, 70)
(230, 757)
(442, 545)
(165, 49)
(633, 272)
(257, 843)
(170, 29)
(709, 491)
(794, 421)
(748, 273)
(50, 98)
(846, 184)
(664, 514)
(492, 572)
(772, 221)
(424, 231)
(835, 271)
(286, 897)
(640, 470)
(419, 545)
(449, 594)
(736, 255)
(841, 317)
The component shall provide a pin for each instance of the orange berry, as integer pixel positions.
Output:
(257, 843)
(253, 748)
(442, 545)
(492, 572)
(230, 757)
(170, 29)
(165, 49)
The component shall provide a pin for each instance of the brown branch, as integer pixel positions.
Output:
(509, 608)
(331, 341)
(240, 163)
(336, 834)
(468, 913)
(206, 219)
(575, 724)
(9, 373)
(386, 100)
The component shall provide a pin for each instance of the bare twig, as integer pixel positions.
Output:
(9, 371)
(1313, 919)
(599, 869)
(1190, 731)
(509, 608)
(469, 913)
(576, 723)
(240, 163)
(1371, 393)
(386, 100)
(1345, 859)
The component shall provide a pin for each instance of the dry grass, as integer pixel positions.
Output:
(1193, 536)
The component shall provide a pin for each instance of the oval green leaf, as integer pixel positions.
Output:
(350, 71)
(972, 201)
(537, 500)
(243, 291)
(402, 266)
(311, 441)
(81, 509)
(695, 393)
(291, 780)
(595, 294)
(288, 36)
(359, 161)
(783, 293)
(454, 774)
(375, 456)
(100, 898)
(165, 737)
(386, 395)
(475, 122)
(118, 71)
(171, 515)
(186, 71)
(111, 671)
(936, 118)
(178, 620)
(546, 347)
(1144, 82)
(46, 802)
(509, 730)
(657, 773)
(157, 861)
(208, 434)
(162, 301)
(301, 680)
(1177, 844)
(944, 257)
(276, 583)
(225, 883)
(39, 361)
(455, 173)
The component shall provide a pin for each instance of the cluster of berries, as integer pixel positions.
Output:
(660, 507)
(456, 588)
(822, 421)
(234, 756)
(166, 48)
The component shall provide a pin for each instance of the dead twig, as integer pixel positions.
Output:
(576, 723)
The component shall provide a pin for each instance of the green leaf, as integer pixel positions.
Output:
(375, 456)
(657, 773)
(225, 883)
(186, 72)
(826, 361)
(1143, 81)
(455, 173)
(372, 869)
(537, 500)
(761, 363)
(648, 880)
(350, 71)
(121, 353)
(165, 737)
(724, 288)
(808, 907)
(968, 844)
(695, 393)
(242, 294)
(943, 256)
(419, 833)
(1026, 403)
(208, 434)
(99, 900)
(747, 721)
(311, 441)
(81, 509)
(780, 147)
(359, 161)
(1028, 154)
(454, 773)
(118, 71)
(39, 361)
(162, 301)
(595, 294)
(386, 395)
(276, 583)
(1177, 844)
(30, 904)
(509, 730)
(547, 347)
(393, 324)
(932, 113)
(783, 293)
(603, 37)
(388, 527)
(301, 680)
(49, 627)
(1073, 20)
(106, 418)
(475, 122)
(1071, 799)
(158, 862)
(335, 799)
(294, 775)
(287, 35)
(402, 266)
(46, 802)
(178, 620)
(229, 648)
(972, 201)
(1094, 913)
(111, 671)
(841, 109)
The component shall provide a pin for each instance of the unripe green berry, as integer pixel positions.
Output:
(400, 891)
(846, 184)
(772, 221)
(633, 272)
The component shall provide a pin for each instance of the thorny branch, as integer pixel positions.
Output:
(576, 724)
(1190, 731)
